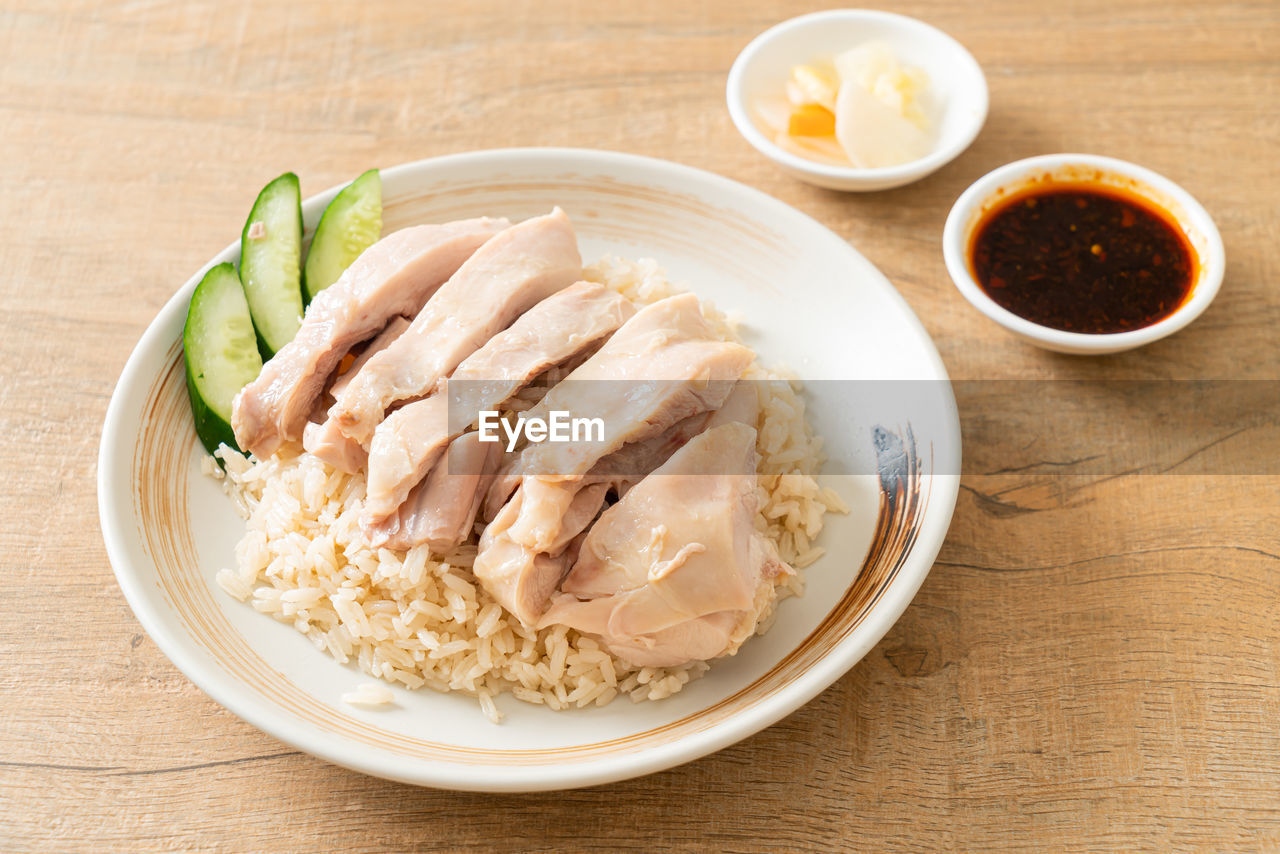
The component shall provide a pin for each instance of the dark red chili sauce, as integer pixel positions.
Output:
(1083, 258)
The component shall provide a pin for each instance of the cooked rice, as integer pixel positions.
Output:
(417, 619)
(369, 694)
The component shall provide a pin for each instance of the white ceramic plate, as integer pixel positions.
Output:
(809, 301)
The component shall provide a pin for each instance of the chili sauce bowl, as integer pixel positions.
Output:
(957, 85)
(1061, 171)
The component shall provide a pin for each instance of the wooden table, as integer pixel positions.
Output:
(1094, 662)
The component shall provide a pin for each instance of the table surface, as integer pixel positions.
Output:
(1093, 661)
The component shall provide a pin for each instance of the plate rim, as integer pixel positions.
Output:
(494, 777)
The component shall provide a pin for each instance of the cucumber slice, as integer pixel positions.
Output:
(271, 263)
(220, 352)
(350, 224)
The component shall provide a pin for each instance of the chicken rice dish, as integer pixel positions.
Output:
(409, 509)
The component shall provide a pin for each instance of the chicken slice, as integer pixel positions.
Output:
(324, 440)
(321, 437)
(670, 573)
(407, 444)
(676, 321)
(511, 273)
(393, 330)
(664, 365)
(697, 639)
(523, 579)
(520, 579)
(396, 275)
(695, 493)
(629, 464)
(520, 575)
(583, 509)
(441, 511)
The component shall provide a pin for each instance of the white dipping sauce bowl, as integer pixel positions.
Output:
(957, 87)
(1091, 170)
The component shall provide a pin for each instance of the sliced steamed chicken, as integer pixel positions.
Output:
(441, 511)
(674, 571)
(663, 366)
(321, 437)
(508, 275)
(625, 467)
(615, 473)
(521, 579)
(407, 444)
(394, 276)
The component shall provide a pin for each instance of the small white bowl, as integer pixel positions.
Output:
(956, 84)
(992, 188)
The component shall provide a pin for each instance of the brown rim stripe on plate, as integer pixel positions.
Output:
(459, 195)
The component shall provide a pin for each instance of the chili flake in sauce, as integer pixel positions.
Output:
(1083, 258)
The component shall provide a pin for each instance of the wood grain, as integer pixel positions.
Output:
(1094, 662)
